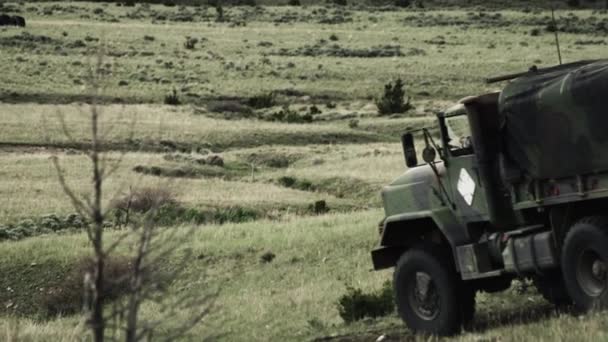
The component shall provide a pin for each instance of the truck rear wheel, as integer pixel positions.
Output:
(585, 262)
(430, 296)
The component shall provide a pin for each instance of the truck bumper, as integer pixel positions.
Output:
(386, 256)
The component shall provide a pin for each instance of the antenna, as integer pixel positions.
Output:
(555, 29)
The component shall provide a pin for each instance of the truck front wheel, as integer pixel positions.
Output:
(585, 263)
(430, 296)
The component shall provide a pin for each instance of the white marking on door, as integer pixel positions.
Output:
(466, 186)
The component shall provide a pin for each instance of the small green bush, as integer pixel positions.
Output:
(294, 183)
(574, 3)
(262, 101)
(172, 99)
(294, 3)
(41, 225)
(356, 305)
(290, 116)
(177, 214)
(229, 106)
(393, 100)
(68, 296)
(319, 207)
(403, 3)
(245, 3)
(144, 199)
(190, 43)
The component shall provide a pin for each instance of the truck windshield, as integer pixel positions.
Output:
(459, 135)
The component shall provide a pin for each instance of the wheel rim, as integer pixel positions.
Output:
(423, 297)
(591, 273)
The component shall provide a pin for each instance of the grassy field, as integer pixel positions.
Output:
(319, 139)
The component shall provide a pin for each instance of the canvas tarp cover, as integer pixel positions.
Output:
(555, 122)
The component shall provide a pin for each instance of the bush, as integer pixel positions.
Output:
(229, 106)
(68, 296)
(172, 99)
(294, 3)
(294, 183)
(245, 3)
(355, 304)
(42, 225)
(143, 200)
(176, 214)
(319, 207)
(262, 101)
(190, 43)
(403, 3)
(289, 116)
(574, 3)
(393, 100)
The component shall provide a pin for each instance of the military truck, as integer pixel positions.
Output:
(514, 185)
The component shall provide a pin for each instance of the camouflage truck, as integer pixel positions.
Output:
(514, 185)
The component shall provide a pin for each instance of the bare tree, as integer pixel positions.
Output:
(91, 208)
(151, 246)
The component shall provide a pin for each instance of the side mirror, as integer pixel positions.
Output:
(429, 154)
(409, 150)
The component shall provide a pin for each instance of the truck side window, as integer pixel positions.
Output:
(459, 136)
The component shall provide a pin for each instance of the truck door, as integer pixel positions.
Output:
(463, 174)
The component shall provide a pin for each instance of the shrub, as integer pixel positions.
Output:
(393, 100)
(314, 110)
(262, 101)
(42, 225)
(294, 3)
(270, 159)
(403, 3)
(267, 257)
(355, 304)
(190, 43)
(353, 123)
(68, 296)
(175, 214)
(245, 3)
(340, 2)
(172, 99)
(229, 106)
(294, 183)
(290, 116)
(319, 207)
(145, 199)
(574, 3)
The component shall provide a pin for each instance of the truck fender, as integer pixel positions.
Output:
(395, 238)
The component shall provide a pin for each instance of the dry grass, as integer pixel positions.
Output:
(31, 188)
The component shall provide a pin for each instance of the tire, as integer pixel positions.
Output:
(584, 263)
(444, 305)
(553, 288)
